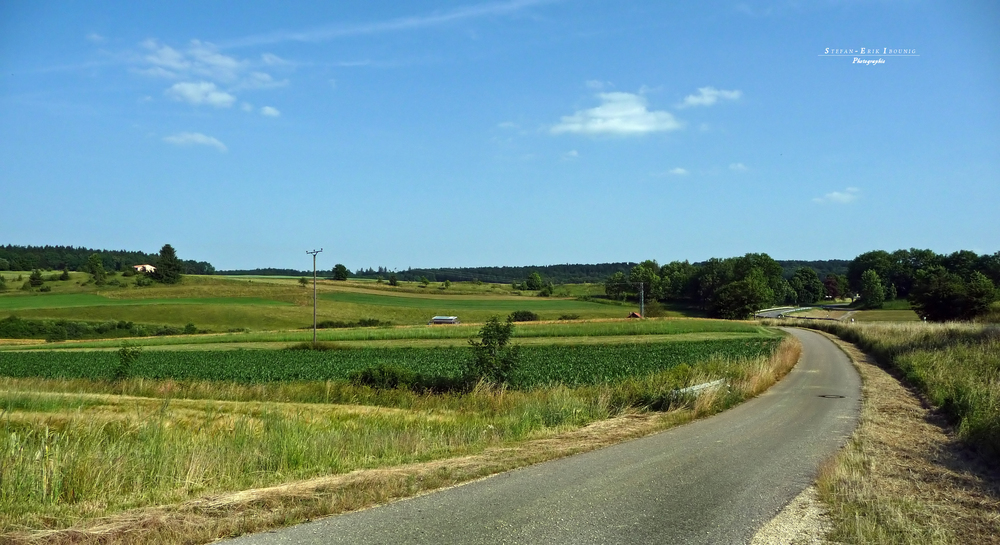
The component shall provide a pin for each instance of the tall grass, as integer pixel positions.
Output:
(77, 456)
(956, 365)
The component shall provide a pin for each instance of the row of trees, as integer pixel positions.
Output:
(727, 288)
(958, 285)
(27, 258)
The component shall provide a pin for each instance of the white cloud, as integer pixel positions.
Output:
(738, 167)
(678, 171)
(200, 93)
(270, 112)
(598, 84)
(571, 154)
(837, 197)
(196, 139)
(507, 125)
(208, 62)
(96, 38)
(271, 59)
(709, 95)
(260, 80)
(619, 113)
(246, 107)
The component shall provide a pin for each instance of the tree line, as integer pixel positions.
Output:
(961, 285)
(27, 258)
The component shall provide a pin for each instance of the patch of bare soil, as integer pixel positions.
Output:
(804, 521)
(904, 477)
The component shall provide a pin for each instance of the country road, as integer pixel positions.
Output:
(716, 480)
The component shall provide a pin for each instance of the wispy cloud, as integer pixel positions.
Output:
(708, 96)
(738, 167)
(200, 93)
(571, 154)
(270, 112)
(849, 195)
(618, 114)
(331, 32)
(678, 171)
(95, 38)
(195, 139)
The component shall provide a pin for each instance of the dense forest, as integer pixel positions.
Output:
(27, 258)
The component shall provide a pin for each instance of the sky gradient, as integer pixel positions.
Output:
(440, 134)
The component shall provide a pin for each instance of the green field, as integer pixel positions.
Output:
(224, 303)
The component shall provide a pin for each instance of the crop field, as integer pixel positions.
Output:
(571, 365)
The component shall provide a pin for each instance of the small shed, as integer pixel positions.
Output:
(443, 320)
(634, 315)
(144, 268)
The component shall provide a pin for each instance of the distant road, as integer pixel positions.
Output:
(716, 480)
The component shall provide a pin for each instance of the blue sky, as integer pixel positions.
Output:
(434, 134)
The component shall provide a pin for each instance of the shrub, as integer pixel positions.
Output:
(523, 316)
(128, 354)
(45, 288)
(494, 358)
(190, 329)
(569, 316)
(36, 280)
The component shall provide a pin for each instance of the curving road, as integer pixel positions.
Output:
(716, 480)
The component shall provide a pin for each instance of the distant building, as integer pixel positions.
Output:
(144, 268)
(443, 320)
(634, 315)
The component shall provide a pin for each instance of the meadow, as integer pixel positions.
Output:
(220, 304)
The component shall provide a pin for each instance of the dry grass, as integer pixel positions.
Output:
(904, 477)
(222, 514)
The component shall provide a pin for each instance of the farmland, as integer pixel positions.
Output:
(209, 413)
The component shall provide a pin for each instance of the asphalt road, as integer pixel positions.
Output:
(716, 480)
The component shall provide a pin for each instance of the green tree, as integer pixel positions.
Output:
(447, 284)
(4, 264)
(646, 274)
(168, 266)
(534, 281)
(95, 265)
(940, 295)
(3, 283)
(879, 261)
(340, 272)
(65, 275)
(616, 286)
(494, 357)
(807, 286)
(303, 281)
(393, 281)
(872, 293)
(891, 294)
(35, 280)
(424, 281)
(740, 299)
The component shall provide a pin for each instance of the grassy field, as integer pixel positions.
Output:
(223, 303)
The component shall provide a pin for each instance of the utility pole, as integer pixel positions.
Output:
(314, 252)
(642, 301)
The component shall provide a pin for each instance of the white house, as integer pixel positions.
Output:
(144, 268)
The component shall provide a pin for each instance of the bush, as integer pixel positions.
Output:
(190, 329)
(36, 280)
(569, 316)
(523, 316)
(45, 288)
(128, 354)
